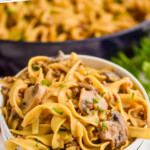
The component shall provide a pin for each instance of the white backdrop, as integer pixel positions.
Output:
(5, 1)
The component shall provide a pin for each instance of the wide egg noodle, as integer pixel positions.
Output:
(14, 99)
(43, 129)
(139, 101)
(34, 74)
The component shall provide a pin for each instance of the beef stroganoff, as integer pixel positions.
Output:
(62, 20)
(59, 103)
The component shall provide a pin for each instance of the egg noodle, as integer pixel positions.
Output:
(59, 103)
(61, 20)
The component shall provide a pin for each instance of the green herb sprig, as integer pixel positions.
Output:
(104, 126)
(103, 94)
(88, 74)
(119, 1)
(10, 11)
(57, 111)
(132, 95)
(37, 144)
(61, 130)
(138, 64)
(87, 101)
(63, 84)
(35, 67)
(101, 109)
(95, 100)
(46, 83)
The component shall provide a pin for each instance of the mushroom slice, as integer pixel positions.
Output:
(111, 76)
(115, 131)
(87, 103)
(32, 97)
(59, 57)
(101, 104)
(87, 86)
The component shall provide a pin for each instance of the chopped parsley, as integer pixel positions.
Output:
(63, 84)
(95, 100)
(35, 67)
(61, 130)
(37, 144)
(103, 94)
(119, 1)
(87, 101)
(88, 74)
(104, 126)
(57, 111)
(101, 109)
(97, 122)
(22, 38)
(137, 63)
(51, 11)
(132, 95)
(46, 83)
(10, 11)
(26, 18)
(67, 100)
(18, 36)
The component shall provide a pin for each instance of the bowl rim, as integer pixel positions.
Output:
(114, 66)
(104, 37)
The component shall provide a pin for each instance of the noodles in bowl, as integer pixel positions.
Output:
(59, 103)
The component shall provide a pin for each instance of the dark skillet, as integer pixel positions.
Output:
(15, 55)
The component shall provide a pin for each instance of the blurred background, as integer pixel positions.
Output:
(117, 30)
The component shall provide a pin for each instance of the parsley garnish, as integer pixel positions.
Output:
(95, 100)
(25, 18)
(61, 130)
(88, 74)
(9, 11)
(63, 84)
(138, 64)
(51, 11)
(35, 67)
(103, 94)
(67, 100)
(59, 112)
(104, 126)
(101, 109)
(119, 1)
(37, 144)
(97, 122)
(46, 83)
(87, 101)
(18, 36)
(132, 95)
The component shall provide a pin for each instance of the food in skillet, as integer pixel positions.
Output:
(61, 20)
(59, 103)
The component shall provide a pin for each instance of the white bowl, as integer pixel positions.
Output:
(95, 63)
